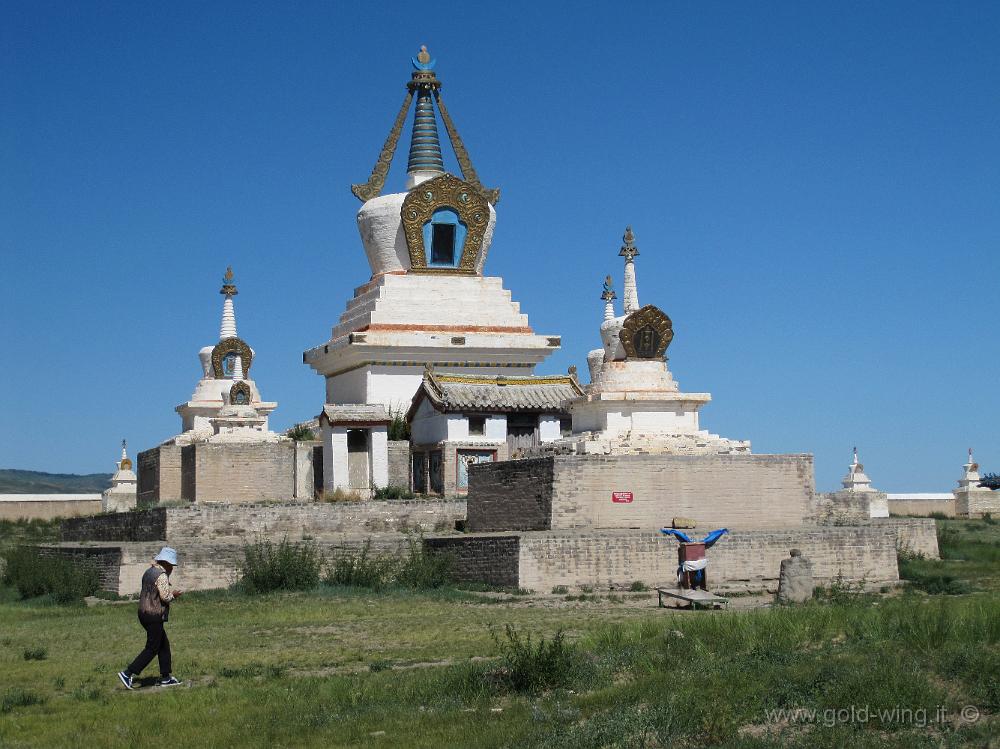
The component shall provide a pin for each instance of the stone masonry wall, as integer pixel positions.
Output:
(843, 507)
(922, 507)
(159, 474)
(47, 510)
(107, 560)
(141, 525)
(399, 463)
(511, 495)
(745, 491)
(243, 472)
(915, 535)
(315, 520)
(487, 559)
(742, 560)
(183, 525)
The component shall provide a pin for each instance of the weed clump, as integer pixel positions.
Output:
(532, 667)
(33, 574)
(418, 570)
(392, 491)
(268, 567)
(18, 697)
(35, 654)
(362, 569)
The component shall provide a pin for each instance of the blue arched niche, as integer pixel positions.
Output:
(444, 238)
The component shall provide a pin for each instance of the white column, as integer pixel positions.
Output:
(228, 327)
(378, 444)
(335, 458)
(631, 292)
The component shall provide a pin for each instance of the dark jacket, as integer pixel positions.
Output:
(150, 602)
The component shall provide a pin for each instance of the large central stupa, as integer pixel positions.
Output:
(427, 302)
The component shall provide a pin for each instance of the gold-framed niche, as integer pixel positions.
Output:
(450, 193)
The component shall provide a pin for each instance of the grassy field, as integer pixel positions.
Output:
(349, 667)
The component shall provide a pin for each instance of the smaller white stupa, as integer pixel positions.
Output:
(226, 402)
(857, 481)
(633, 404)
(971, 499)
(121, 495)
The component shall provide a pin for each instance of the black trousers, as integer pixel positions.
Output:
(157, 645)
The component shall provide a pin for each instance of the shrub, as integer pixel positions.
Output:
(376, 666)
(392, 491)
(18, 697)
(930, 576)
(301, 433)
(34, 574)
(399, 429)
(339, 495)
(284, 566)
(560, 590)
(361, 569)
(35, 654)
(526, 667)
(423, 571)
(638, 586)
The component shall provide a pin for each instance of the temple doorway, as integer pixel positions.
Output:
(357, 459)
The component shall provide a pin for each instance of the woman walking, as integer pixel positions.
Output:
(154, 610)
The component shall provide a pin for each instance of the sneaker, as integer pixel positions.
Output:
(170, 681)
(126, 679)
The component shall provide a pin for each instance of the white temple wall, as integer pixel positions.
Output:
(379, 452)
(496, 427)
(429, 425)
(349, 387)
(335, 458)
(548, 428)
(393, 387)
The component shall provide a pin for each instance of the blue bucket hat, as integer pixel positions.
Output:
(167, 555)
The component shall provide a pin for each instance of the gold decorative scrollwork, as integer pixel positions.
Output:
(468, 171)
(231, 345)
(240, 394)
(373, 187)
(446, 191)
(646, 333)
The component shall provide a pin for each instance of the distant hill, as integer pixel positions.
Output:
(13, 481)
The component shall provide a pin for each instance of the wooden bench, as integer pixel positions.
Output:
(694, 598)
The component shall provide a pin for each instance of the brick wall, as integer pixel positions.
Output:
(916, 535)
(399, 463)
(141, 525)
(487, 559)
(180, 525)
(253, 472)
(107, 560)
(315, 520)
(742, 560)
(569, 492)
(159, 473)
(922, 507)
(511, 495)
(12, 509)
(843, 507)
(976, 503)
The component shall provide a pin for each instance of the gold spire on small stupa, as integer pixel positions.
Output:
(228, 284)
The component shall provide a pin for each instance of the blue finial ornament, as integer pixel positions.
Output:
(423, 60)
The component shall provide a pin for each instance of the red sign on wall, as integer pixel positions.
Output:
(621, 498)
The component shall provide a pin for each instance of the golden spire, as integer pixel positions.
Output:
(228, 285)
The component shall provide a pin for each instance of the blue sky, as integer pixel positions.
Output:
(814, 190)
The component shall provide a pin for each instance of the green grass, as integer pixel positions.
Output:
(351, 667)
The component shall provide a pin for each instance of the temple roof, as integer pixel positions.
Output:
(496, 393)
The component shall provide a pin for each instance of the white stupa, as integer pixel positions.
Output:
(971, 499)
(121, 495)
(632, 403)
(427, 301)
(223, 365)
(856, 481)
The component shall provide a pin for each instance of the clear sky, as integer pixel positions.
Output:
(813, 187)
